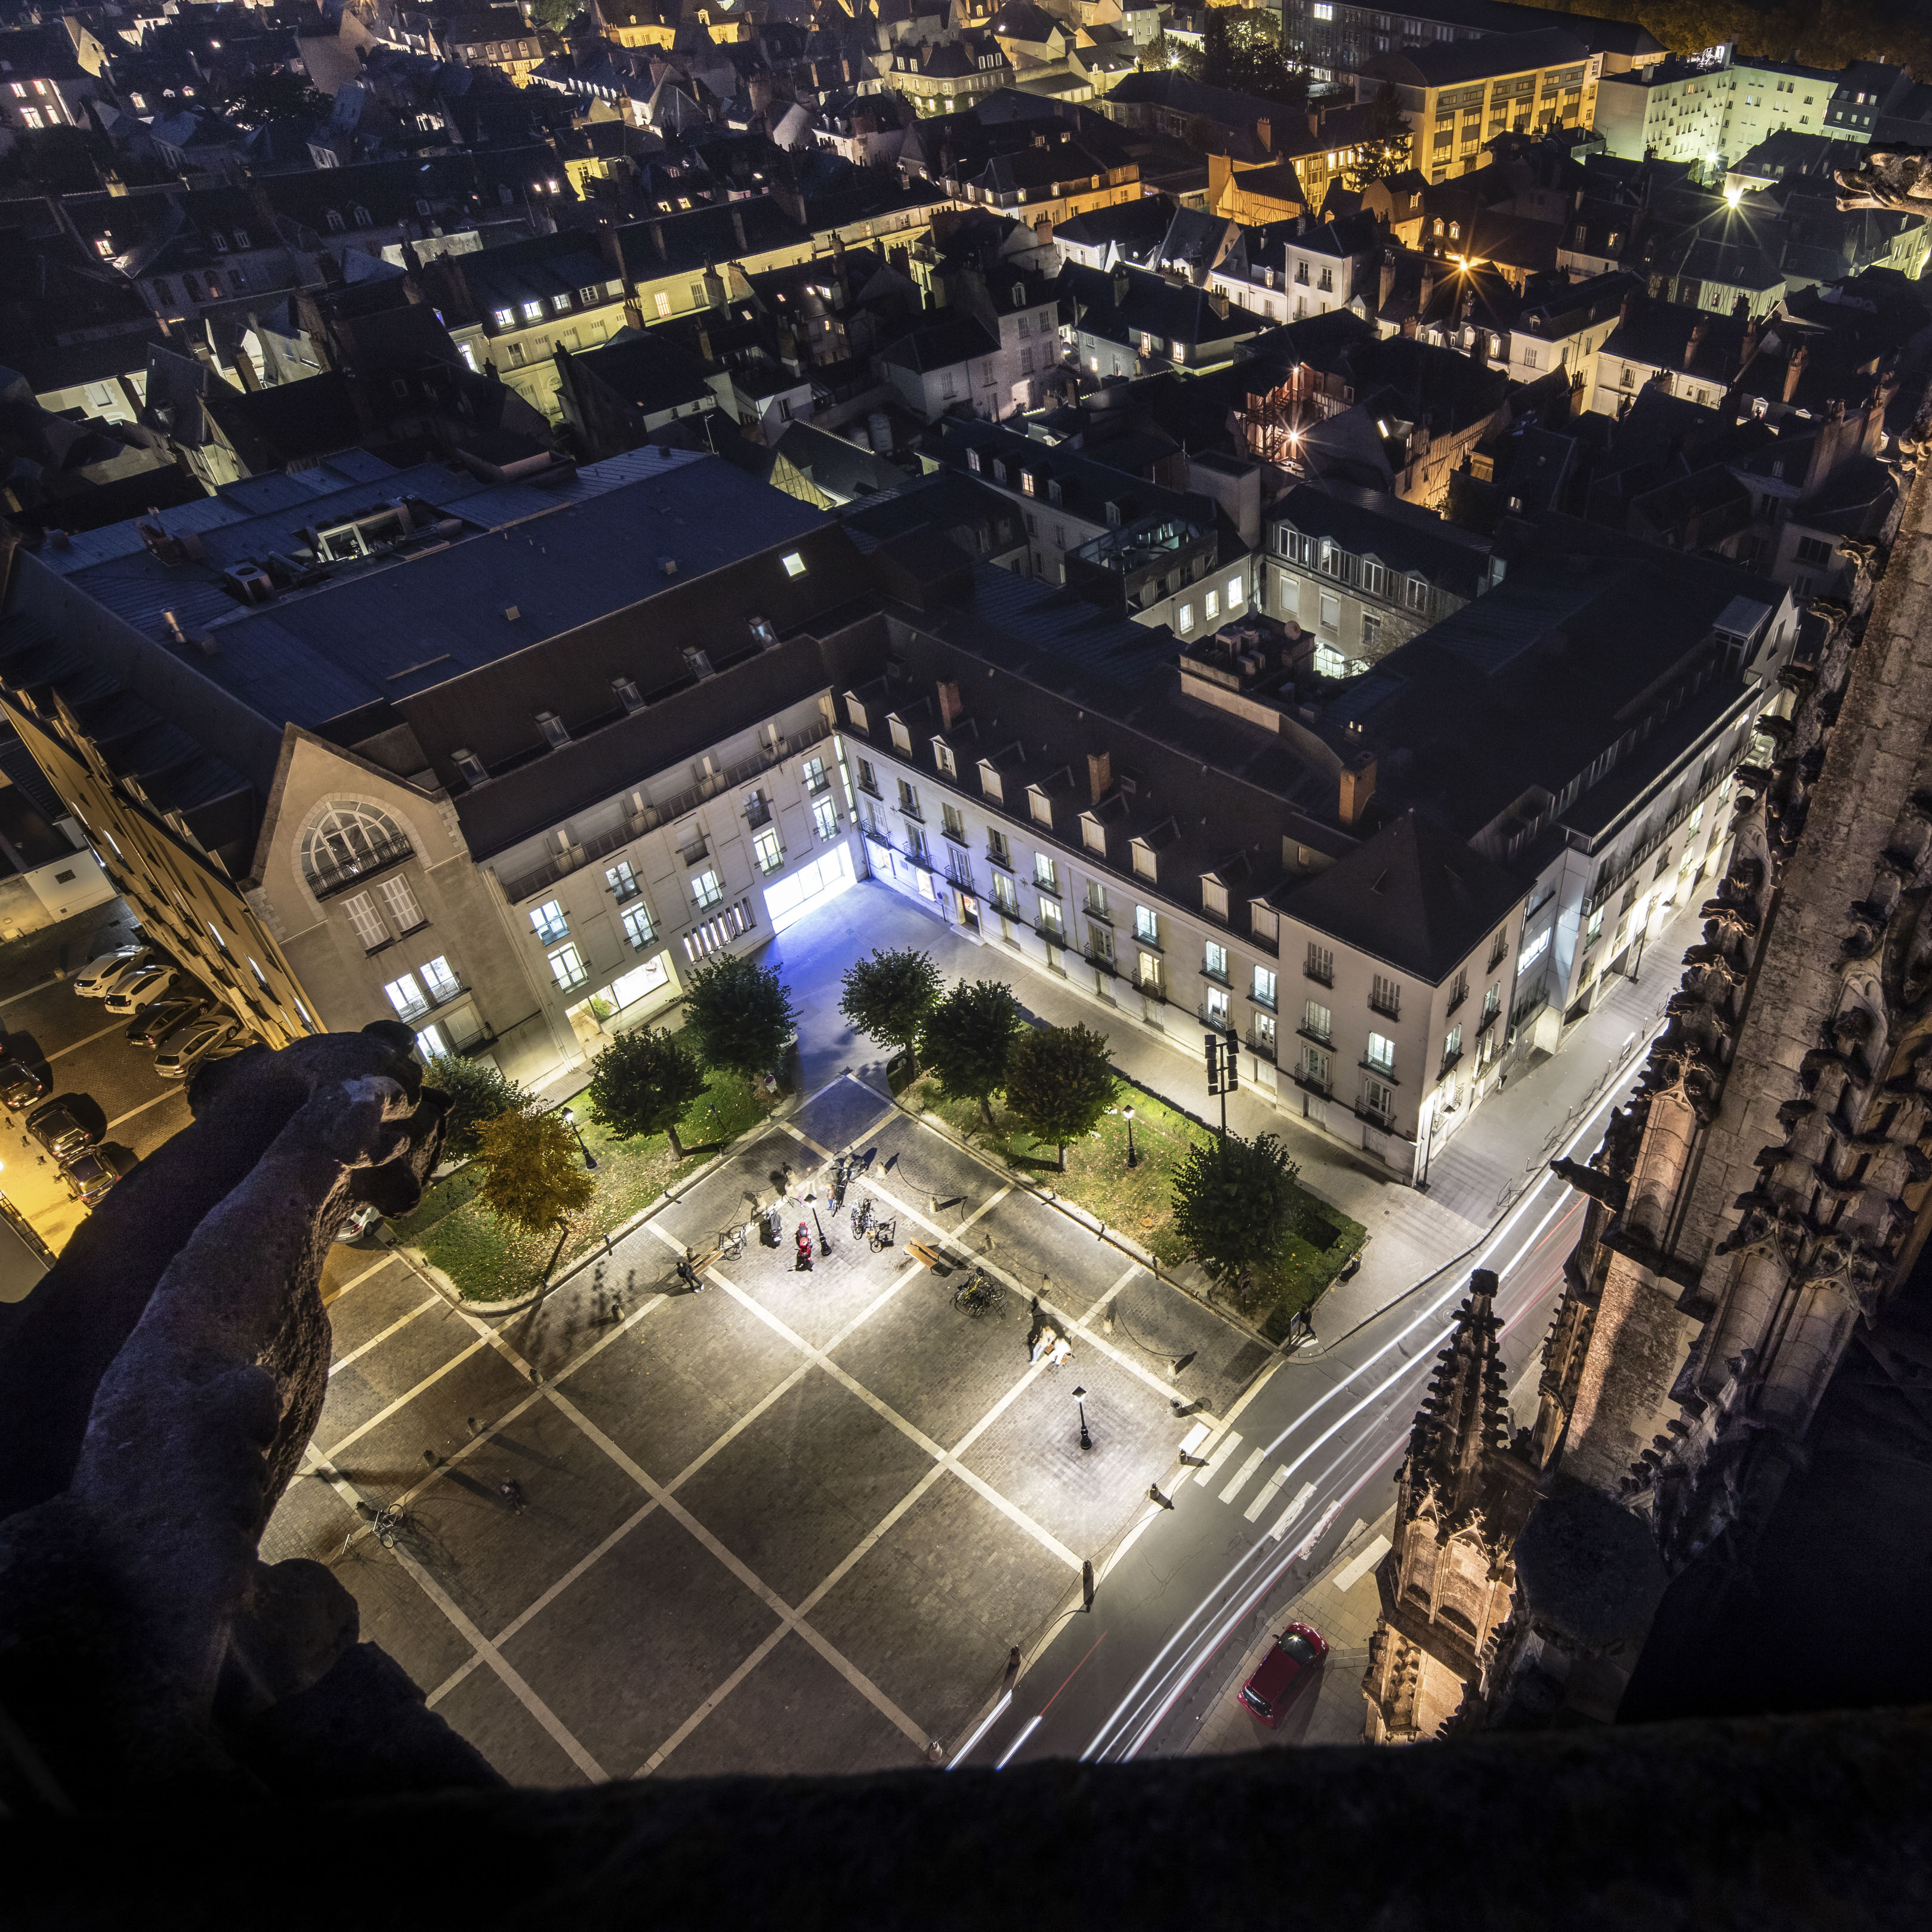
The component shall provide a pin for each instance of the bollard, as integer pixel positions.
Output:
(1087, 1586)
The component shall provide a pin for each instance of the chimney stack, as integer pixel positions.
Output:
(1358, 787)
(1387, 284)
(1099, 775)
(1698, 329)
(950, 705)
(1793, 369)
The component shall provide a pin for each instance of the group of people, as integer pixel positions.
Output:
(1051, 1347)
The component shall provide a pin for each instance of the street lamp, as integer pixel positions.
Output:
(1133, 1159)
(570, 1121)
(1080, 1403)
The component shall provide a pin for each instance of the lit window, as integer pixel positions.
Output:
(1147, 927)
(1382, 1052)
(567, 968)
(1186, 620)
(506, 318)
(441, 981)
(533, 311)
(638, 928)
(769, 852)
(406, 997)
(705, 890)
(825, 818)
(547, 921)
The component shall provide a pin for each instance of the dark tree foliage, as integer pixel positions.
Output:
(641, 1084)
(740, 1016)
(478, 1091)
(1059, 1083)
(1234, 1205)
(888, 997)
(968, 1040)
(1385, 148)
(274, 94)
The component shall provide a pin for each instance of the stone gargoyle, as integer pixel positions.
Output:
(156, 1391)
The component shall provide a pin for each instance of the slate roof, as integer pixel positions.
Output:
(1413, 895)
(1370, 522)
(1453, 63)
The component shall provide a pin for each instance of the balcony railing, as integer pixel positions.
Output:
(757, 815)
(1489, 1019)
(1380, 1071)
(1457, 997)
(1389, 1006)
(325, 881)
(1322, 976)
(1449, 1061)
(624, 891)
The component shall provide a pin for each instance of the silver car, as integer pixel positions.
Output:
(188, 1045)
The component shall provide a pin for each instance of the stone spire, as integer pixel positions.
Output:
(1466, 1412)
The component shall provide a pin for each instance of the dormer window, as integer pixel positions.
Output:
(794, 564)
(1053, 492)
(1114, 515)
(763, 632)
(943, 758)
(220, 240)
(973, 461)
(991, 784)
(1040, 805)
(999, 470)
(698, 662)
(855, 712)
(901, 737)
(1144, 866)
(241, 238)
(1027, 482)
(469, 767)
(554, 733)
(628, 695)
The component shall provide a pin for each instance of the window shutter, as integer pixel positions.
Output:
(368, 923)
(402, 903)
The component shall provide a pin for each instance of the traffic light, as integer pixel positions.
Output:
(1213, 1044)
(1230, 1062)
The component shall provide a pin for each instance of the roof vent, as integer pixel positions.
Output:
(555, 734)
(628, 695)
(511, 612)
(668, 565)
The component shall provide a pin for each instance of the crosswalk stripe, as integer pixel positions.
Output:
(1195, 1437)
(1293, 1511)
(1266, 1493)
(1212, 1467)
(1255, 1460)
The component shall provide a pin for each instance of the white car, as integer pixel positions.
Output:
(134, 990)
(95, 980)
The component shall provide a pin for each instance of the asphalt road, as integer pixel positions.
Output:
(1311, 1454)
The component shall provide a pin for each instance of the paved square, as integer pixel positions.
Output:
(793, 1522)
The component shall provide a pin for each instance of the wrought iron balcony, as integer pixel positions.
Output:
(325, 881)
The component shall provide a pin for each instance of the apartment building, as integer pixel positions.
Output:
(1129, 862)
(1457, 96)
(1362, 572)
(1336, 38)
(1302, 268)
(360, 743)
(1674, 109)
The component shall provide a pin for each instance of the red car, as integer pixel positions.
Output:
(1292, 1658)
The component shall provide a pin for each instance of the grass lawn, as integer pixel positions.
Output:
(1137, 1200)
(491, 1262)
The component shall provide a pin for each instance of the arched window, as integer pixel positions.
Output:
(335, 221)
(349, 840)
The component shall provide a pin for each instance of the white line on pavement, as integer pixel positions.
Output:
(1212, 1468)
(422, 1307)
(334, 1294)
(1293, 1510)
(173, 1093)
(74, 1046)
(1363, 1564)
(1266, 1494)
(1239, 1481)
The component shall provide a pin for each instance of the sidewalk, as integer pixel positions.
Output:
(1413, 1234)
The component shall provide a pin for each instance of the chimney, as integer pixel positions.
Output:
(1627, 308)
(950, 705)
(1358, 787)
(1793, 369)
(1120, 284)
(1264, 134)
(1099, 775)
(657, 235)
(738, 229)
(1429, 271)
(1698, 331)
(1387, 288)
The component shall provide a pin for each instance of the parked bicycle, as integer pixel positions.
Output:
(883, 1234)
(385, 1525)
(841, 1178)
(980, 1295)
(731, 1243)
(862, 1216)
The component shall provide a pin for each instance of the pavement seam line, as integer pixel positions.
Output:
(402, 1402)
(173, 1093)
(75, 1045)
(356, 1280)
(741, 1569)
(394, 1327)
(759, 1652)
(511, 1679)
(913, 1432)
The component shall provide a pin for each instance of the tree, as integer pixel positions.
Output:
(274, 94)
(1234, 1203)
(641, 1084)
(556, 15)
(740, 1016)
(532, 1176)
(968, 1038)
(1240, 49)
(478, 1091)
(1384, 149)
(889, 996)
(1059, 1082)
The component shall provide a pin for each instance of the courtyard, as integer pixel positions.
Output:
(793, 1522)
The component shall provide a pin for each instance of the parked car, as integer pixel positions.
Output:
(188, 1045)
(364, 1218)
(57, 1130)
(20, 1084)
(1291, 1660)
(153, 1024)
(142, 988)
(95, 980)
(92, 1172)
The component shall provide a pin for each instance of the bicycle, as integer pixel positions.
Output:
(731, 1244)
(980, 1295)
(883, 1234)
(862, 1218)
(385, 1525)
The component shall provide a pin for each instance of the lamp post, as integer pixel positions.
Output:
(1133, 1158)
(570, 1121)
(1080, 1403)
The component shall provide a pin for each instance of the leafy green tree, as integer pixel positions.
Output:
(641, 1084)
(889, 996)
(273, 95)
(533, 1175)
(1383, 150)
(478, 1091)
(968, 1039)
(1241, 49)
(555, 14)
(1235, 1204)
(740, 1016)
(1059, 1082)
